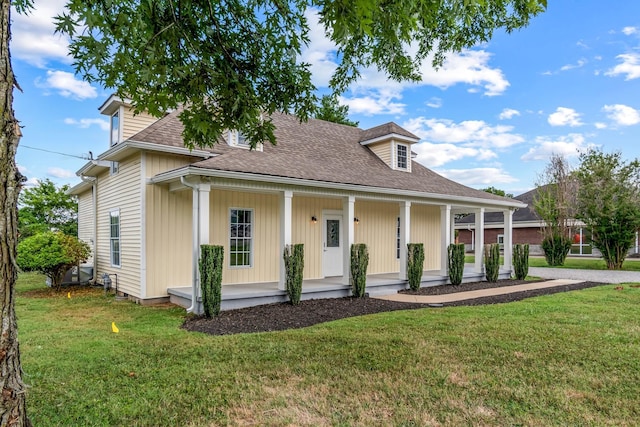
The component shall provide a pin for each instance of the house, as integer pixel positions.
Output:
(526, 228)
(147, 203)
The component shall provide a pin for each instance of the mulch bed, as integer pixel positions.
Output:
(282, 316)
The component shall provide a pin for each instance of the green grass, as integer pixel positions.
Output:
(586, 263)
(565, 359)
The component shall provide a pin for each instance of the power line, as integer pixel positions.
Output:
(55, 152)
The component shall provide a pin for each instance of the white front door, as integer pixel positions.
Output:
(332, 245)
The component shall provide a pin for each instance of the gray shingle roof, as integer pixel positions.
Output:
(385, 129)
(319, 151)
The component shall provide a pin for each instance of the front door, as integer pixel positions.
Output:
(332, 245)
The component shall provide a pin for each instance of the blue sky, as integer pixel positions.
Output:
(491, 116)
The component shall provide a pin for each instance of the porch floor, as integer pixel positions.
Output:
(252, 294)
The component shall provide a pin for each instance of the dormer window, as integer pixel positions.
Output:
(115, 128)
(402, 156)
(238, 139)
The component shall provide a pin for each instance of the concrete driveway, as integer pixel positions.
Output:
(601, 276)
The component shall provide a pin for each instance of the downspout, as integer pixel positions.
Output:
(196, 241)
(94, 201)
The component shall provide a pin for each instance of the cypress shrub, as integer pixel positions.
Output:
(294, 269)
(455, 258)
(211, 259)
(521, 261)
(492, 262)
(556, 248)
(359, 264)
(415, 264)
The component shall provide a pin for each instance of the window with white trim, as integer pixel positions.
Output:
(115, 128)
(241, 237)
(114, 237)
(402, 156)
(115, 167)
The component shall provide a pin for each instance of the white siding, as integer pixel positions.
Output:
(86, 220)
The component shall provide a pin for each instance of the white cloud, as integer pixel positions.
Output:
(630, 66)
(600, 125)
(369, 105)
(622, 115)
(434, 155)
(85, 123)
(630, 30)
(33, 38)
(470, 133)
(320, 51)
(569, 146)
(579, 64)
(478, 176)
(60, 173)
(31, 182)
(67, 85)
(565, 117)
(434, 102)
(22, 169)
(508, 113)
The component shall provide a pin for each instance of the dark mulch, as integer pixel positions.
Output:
(282, 316)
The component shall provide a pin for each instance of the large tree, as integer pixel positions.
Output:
(608, 203)
(228, 64)
(47, 207)
(329, 109)
(554, 203)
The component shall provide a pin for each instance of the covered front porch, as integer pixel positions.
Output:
(253, 294)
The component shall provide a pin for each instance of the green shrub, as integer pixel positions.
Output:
(359, 264)
(294, 268)
(521, 261)
(455, 258)
(415, 264)
(492, 262)
(211, 261)
(556, 248)
(52, 254)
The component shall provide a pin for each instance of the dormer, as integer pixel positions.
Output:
(123, 122)
(392, 144)
(235, 138)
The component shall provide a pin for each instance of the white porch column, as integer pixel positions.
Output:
(203, 217)
(285, 233)
(405, 237)
(508, 239)
(479, 232)
(348, 213)
(445, 237)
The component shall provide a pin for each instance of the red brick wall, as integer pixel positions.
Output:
(529, 235)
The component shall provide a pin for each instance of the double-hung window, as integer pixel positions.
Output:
(241, 237)
(402, 154)
(115, 128)
(114, 237)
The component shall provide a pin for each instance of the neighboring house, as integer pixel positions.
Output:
(526, 228)
(148, 203)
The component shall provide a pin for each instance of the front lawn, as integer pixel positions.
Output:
(586, 263)
(565, 359)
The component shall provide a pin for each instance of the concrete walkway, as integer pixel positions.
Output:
(461, 296)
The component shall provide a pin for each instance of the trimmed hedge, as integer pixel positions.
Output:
(415, 264)
(294, 268)
(556, 249)
(455, 253)
(359, 264)
(211, 261)
(492, 262)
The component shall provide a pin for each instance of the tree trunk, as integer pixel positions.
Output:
(12, 389)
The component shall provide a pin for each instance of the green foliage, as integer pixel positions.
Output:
(51, 253)
(330, 110)
(521, 261)
(359, 264)
(609, 203)
(497, 192)
(47, 208)
(294, 266)
(455, 259)
(234, 63)
(211, 262)
(556, 249)
(492, 262)
(415, 264)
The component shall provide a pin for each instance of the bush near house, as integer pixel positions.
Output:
(556, 248)
(359, 264)
(415, 264)
(211, 261)
(294, 267)
(492, 262)
(51, 253)
(455, 259)
(521, 261)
